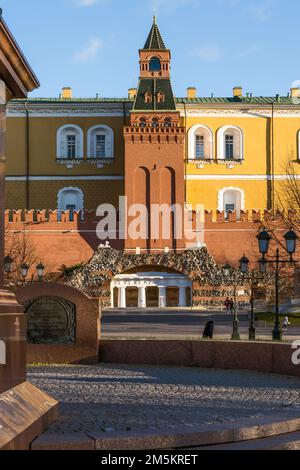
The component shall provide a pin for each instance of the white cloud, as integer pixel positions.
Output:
(209, 52)
(262, 11)
(295, 84)
(85, 3)
(90, 51)
(248, 51)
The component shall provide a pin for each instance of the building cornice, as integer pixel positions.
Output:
(14, 68)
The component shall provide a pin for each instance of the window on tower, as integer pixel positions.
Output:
(155, 65)
(142, 122)
(160, 97)
(154, 122)
(148, 97)
(167, 122)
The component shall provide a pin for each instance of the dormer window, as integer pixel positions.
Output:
(155, 65)
(148, 97)
(160, 97)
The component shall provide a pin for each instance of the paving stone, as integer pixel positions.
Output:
(106, 398)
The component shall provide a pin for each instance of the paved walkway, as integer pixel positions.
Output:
(122, 398)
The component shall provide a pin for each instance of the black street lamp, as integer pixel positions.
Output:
(244, 263)
(24, 271)
(40, 268)
(235, 330)
(8, 262)
(264, 241)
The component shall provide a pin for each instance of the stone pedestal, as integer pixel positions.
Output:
(34, 409)
(24, 410)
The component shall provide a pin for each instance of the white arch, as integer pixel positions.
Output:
(100, 129)
(70, 196)
(238, 142)
(192, 141)
(221, 198)
(61, 141)
(2, 353)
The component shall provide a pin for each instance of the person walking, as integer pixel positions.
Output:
(231, 303)
(285, 324)
(227, 305)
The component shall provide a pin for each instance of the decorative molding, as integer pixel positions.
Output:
(100, 129)
(66, 178)
(221, 142)
(221, 193)
(192, 133)
(63, 192)
(238, 177)
(61, 141)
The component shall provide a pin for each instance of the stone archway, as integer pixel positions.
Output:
(96, 276)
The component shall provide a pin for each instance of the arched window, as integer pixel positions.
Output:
(200, 143)
(142, 122)
(70, 199)
(167, 122)
(160, 97)
(148, 97)
(154, 122)
(230, 200)
(100, 142)
(230, 143)
(154, 64)
(69, 142)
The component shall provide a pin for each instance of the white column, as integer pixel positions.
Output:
(112, 300)
(162, 297)
(122, 297)
(182, 296)
(142, 297)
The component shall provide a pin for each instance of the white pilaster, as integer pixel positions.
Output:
(142, 297)
(122, 297)
(162, 297)
(182, 296)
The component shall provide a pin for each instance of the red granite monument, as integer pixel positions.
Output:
(24, 410)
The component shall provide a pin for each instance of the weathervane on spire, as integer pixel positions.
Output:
(154, 16)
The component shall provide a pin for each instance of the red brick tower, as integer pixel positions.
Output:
(154, 145)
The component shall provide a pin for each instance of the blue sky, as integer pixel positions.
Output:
(92, 45)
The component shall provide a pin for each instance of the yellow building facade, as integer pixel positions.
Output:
(69, 153)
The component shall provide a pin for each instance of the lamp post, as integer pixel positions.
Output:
(235, 330)
(24, 271)
(8, 261)
(40, 268)
(264, 242)
(244, 263)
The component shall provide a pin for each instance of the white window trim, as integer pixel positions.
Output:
(221, 142)
(60, 198)
(221, 193)
(109, 143)
(192, 141)
(59, 137)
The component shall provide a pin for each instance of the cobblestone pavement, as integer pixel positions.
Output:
(119, 398)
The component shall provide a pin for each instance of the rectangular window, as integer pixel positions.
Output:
(71, 146)
(72, 209)
(100, 146)
(229, 208)
(199, 146)
(229, 147)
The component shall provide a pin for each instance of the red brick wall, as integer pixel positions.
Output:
(69, 243)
